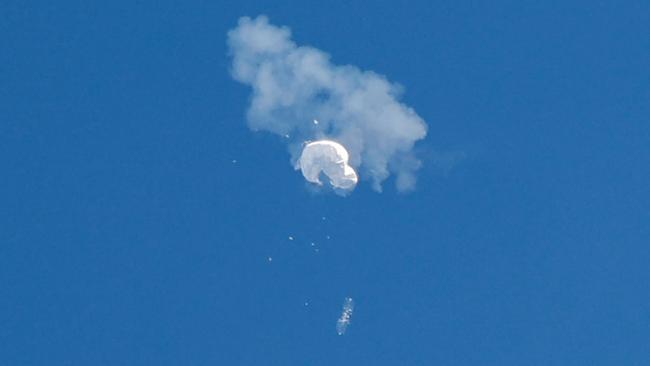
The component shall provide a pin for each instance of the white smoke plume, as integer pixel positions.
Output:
(295, 85)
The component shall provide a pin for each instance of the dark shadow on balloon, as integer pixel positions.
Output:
(326, 187)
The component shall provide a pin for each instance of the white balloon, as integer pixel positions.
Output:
(330, 158)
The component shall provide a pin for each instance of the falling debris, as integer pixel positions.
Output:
(343, 321)
(315, 122)
(270, 259)
(329, 158)
(290, 237)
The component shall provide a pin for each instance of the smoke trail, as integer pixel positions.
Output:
(295, 85)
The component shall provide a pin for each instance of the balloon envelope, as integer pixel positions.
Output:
(329, 158)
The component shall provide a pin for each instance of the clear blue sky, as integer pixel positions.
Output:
(128, 236)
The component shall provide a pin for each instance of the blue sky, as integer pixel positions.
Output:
(129, 237)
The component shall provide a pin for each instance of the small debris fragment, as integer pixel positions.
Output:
(343, 322)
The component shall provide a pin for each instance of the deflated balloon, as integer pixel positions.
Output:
(329, 158)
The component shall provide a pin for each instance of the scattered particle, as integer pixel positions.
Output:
(315, 122)
(290, 237)
(324, 218)
(234, 161)
(313, 244)
(270, 259)
(328, 237)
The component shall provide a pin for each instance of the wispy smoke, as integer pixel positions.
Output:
(295, 85)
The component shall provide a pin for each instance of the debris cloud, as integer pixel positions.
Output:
(299, 94)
